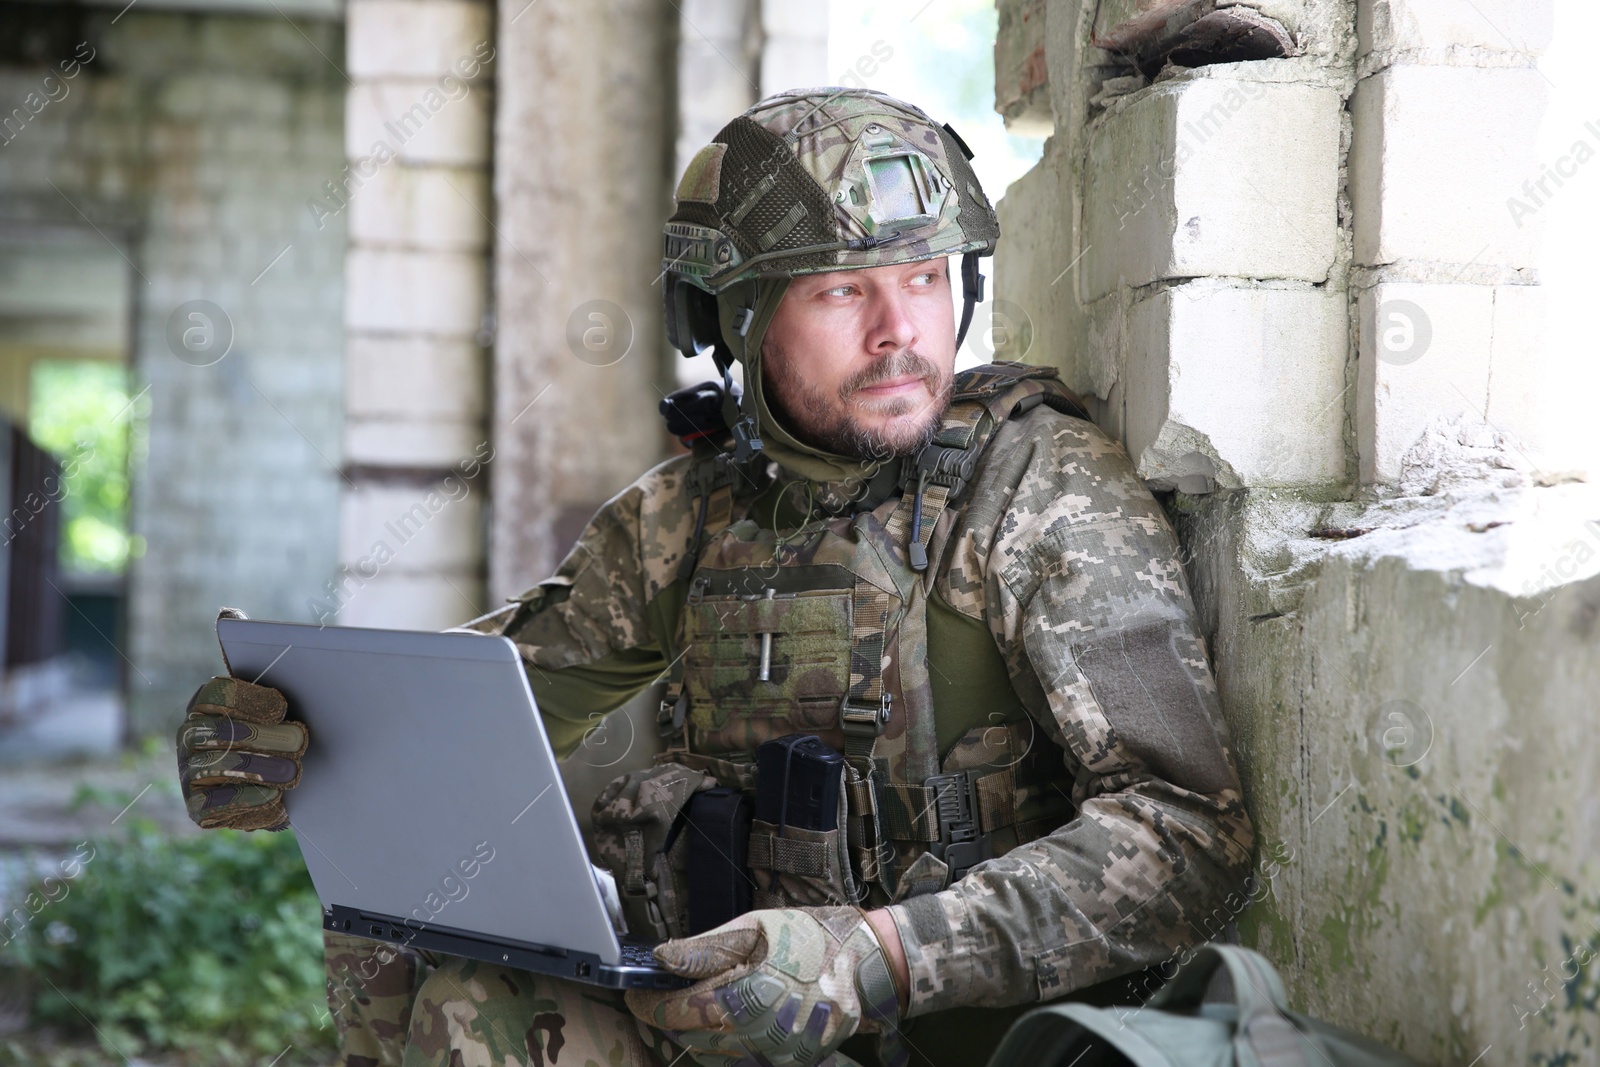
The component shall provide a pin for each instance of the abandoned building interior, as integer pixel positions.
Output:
(294, 284)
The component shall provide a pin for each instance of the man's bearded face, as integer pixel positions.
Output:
(860, 363)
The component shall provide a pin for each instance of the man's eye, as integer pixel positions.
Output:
(926, 278)
(840, 290)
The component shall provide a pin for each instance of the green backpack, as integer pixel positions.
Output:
(1245, 1023)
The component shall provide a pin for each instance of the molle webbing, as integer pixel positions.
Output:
(866, 707)
(791, 855)
(983, 398)
(926, 505)
(710, 480)
(713, 480)
(887, 798)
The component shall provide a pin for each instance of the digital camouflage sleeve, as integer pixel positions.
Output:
(592, 634)
(1075, 568)
(1070, 562)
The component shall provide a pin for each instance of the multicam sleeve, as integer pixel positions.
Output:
(1086, 597)
(586, 633)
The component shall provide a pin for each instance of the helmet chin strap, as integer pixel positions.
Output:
(971, 293)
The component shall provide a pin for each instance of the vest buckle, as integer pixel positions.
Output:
(671, 714)
(861, 720)
(962, 845)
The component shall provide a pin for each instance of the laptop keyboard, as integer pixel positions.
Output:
(638, 956)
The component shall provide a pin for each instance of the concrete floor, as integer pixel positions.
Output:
(64, 778)
(85, 724)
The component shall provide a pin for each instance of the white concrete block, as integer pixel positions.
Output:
(415, 292)
(417, 38)
(413, 528)
(411, 442)
(1424, 356)
(1540, 392)
(1522, 26)
(419, 122)
(252, 98)
(1036, 266)
(1214, 177)
(444, 208)
(427, 378)
(1436, 154)
(1231, 387)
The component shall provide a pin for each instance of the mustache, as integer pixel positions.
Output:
(904, 362)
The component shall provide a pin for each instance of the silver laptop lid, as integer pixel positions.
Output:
(430, 791)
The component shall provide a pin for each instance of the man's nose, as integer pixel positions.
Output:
(892, 328)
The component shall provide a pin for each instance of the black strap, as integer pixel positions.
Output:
(971, 293)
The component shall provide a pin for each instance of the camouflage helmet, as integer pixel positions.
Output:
(816, 180)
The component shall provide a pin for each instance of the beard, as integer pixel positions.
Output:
(833, 425)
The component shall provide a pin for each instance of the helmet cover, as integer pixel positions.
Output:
(827, 179)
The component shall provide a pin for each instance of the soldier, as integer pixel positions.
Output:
(955, 580)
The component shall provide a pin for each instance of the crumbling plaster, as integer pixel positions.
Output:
(1406, 682)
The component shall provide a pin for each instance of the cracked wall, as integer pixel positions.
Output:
(1282, 267)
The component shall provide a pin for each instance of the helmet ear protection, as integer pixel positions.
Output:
(691, 315)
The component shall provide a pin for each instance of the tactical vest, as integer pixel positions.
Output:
(823, 629)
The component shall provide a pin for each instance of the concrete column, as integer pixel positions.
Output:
(416, 201)
(583, 182)
(794, 49)
(731, 53)
(719, 57)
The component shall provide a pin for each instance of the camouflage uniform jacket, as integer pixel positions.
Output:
(1063, 556)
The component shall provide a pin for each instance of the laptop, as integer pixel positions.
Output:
(431, 811)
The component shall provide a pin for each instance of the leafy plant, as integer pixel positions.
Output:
(81, 411)
(210, 945)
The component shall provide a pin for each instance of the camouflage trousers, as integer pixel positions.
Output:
(398, 1007)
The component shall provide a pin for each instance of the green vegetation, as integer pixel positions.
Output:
(81, 411)
(201, 950)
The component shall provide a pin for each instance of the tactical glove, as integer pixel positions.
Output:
(780, 986)
(236, 756)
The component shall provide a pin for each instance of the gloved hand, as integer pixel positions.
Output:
(780, 986)
(236, 756)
